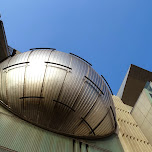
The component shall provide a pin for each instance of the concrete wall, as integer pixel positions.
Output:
(21, 136)
(133, 84)
(142, 112)
(130, 134)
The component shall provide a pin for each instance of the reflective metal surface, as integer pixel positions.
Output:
(57, 91)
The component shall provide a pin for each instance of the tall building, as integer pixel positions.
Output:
(133, 84)
(52, 101)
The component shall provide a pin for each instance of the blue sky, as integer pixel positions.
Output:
(110, 34)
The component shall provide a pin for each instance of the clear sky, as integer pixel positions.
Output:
(110, 34)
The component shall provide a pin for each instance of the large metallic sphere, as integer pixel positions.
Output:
(57, 91)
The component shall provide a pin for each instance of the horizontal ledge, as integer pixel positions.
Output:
(31, 97)
(64, 105)
(81, 58)
(15, 65)
(59, 65)
(42, 48)
(94, 84)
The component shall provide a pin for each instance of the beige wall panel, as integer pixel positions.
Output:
(142, 111)
(138, 114)
(130, 135)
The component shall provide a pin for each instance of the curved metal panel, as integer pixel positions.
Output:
(4, 81)
(59, 92)
(15, 78)
(53, 84)
(105, 127)
(72, 91)
(33, 82)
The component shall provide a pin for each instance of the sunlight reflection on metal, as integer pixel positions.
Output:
(49, 89)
